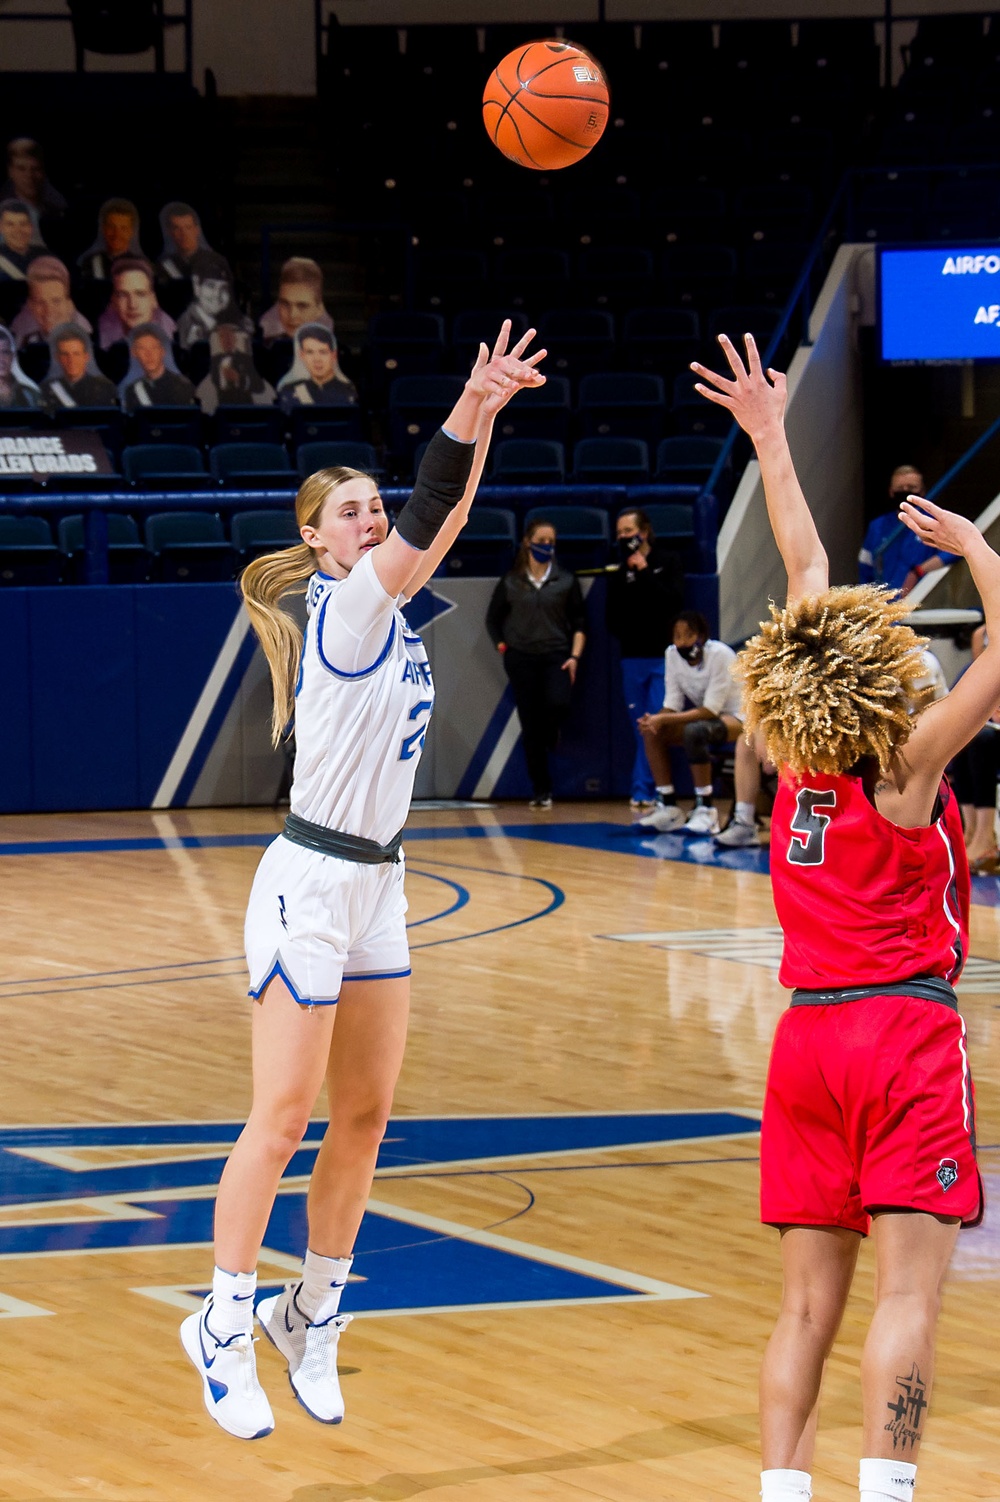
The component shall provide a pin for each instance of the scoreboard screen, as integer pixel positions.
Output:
(940, 303)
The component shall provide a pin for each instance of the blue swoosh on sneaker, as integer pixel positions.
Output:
(219, 1390)
(241, 1298)
(209, 1361)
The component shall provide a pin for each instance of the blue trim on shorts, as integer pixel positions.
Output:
(381, 975)
(338, 672)
(303, 1001)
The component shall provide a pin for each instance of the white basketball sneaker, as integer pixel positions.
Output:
(310, 1350)
(739, 836)
(703, 820)
(663, 818)
(233, 1396)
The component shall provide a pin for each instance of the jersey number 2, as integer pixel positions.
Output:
(806, 846)
(414, 743)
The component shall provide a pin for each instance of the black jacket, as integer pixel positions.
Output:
(642, 604)
(537, 620)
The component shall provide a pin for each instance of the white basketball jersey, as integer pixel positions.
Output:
(362, 703)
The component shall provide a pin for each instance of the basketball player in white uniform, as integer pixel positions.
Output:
(325, 930)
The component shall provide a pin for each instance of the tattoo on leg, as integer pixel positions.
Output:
(908, 1411)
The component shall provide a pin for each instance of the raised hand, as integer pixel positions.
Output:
(755, 398)
(498, 376)
(942, 530)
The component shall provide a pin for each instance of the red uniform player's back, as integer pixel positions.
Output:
(860, 900)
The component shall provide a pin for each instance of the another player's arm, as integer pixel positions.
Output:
(439, 507)
(757, 401)
(945, 727)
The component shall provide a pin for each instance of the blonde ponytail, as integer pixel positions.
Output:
(264, 581)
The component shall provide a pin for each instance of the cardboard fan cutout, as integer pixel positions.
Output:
(117, 235)
(15, 388)
(300, 301)
(153, 379)
(49, 303)
(133, 302)
(74, 379)
(233, 379)
(212, 301)
(316, 379)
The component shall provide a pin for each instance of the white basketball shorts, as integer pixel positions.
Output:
(316, 921)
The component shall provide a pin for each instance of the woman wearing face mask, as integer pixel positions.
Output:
(536, 619)
(645, 594)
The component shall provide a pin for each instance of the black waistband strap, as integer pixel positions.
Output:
(347, 847)
(927, 987)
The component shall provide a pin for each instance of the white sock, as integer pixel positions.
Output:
(232, 1303)
(886, 1481)
(704, 795)
(785, 1486)
(666, 792)
(323, 1281)
(746, 813)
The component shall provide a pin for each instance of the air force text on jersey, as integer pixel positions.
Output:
(932, 304)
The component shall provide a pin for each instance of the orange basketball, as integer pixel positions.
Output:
(546, 104)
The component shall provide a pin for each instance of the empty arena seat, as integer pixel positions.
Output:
(27, 552)
(167, 425)
(685, 460)
(127, 559)
(253, 466)
(610, 461)
(486, 545)
(248, 425)
(188, 547)
(418, 406)
(582, 535)
(165, 466)
(404, 344)
(621, 404)
(323, 425)
(351, 454)
(256, 532)
(533, 277)
(529, 461)
(697, 274)
(613, 275)
(538, 412)
(577, 340)
(662, 340)
(670, 519)
(450, 277)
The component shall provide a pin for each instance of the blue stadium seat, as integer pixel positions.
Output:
(418, 405)
(404, 344)
(107, 422)
(352, 455)
(486, 544)
(165, 466)
(168, 425)
(188, 547)
(529, 461)
(256, 532)
(538, 412)
(532, 278)
(582, 534)
(475, 326)
(612, 276)
(610, 461)
(686, 460)
(27, 552)
(700, 274)
(577, 340)
(661, 340)
(323, 425)
(671, 520)
(252, 466)
(744, 318)
(449, 277)
(248, 425)
(621, 405)
(127, 560)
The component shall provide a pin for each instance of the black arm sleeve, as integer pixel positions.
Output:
(441, 481)
(497, 612)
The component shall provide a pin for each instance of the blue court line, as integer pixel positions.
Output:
(616, 839)
(461, 897)
(556, 894)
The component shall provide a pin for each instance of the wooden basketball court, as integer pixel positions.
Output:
(563, 1289)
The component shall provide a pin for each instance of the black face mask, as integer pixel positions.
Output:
(629, 545)
(692, 654)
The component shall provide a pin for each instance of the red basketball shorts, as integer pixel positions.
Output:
(869, 1105)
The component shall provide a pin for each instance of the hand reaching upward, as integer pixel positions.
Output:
(498, 376)
(755, 398)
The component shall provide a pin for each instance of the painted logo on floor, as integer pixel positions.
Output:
(94, 1190)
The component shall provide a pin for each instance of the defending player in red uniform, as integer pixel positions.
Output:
(868, 1118)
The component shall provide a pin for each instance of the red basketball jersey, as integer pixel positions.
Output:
(860, 900)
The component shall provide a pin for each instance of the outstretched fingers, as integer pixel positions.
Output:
(500, 348)
(736, 365)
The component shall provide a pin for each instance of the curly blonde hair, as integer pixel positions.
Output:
(833, 678)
